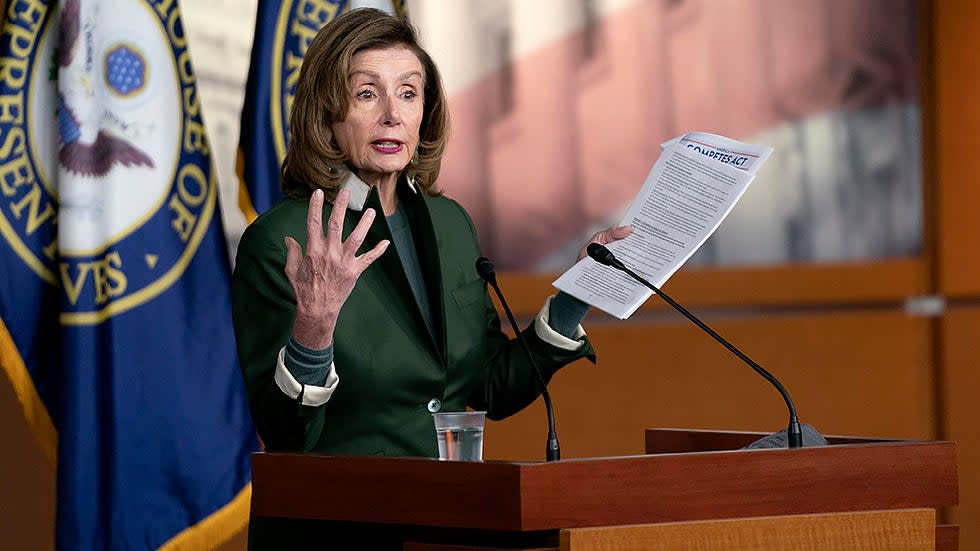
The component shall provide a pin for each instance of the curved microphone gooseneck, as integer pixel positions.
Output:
(794, 434)
(486, 271)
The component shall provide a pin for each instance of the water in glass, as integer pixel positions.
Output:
(460, 443)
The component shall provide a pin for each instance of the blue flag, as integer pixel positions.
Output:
(283, 32)
(114, 289)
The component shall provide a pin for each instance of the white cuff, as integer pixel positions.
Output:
(554, 338)
(312, 395)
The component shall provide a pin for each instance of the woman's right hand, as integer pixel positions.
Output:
(324, 277)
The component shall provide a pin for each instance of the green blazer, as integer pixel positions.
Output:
(392, 370)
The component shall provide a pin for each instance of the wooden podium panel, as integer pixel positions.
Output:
(692, 476)
(898, 530)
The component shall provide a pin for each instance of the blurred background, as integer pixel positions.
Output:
(849, 269)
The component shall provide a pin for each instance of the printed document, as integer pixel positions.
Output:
(692, 187)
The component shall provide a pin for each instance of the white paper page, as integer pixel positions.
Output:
(683, 200)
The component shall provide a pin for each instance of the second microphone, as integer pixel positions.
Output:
(487, 272)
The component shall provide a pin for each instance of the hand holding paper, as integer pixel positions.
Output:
(692, 187)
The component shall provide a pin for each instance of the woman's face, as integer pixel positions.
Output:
(381, 129)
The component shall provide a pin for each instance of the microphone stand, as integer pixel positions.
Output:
(794, 434)
(486, 271)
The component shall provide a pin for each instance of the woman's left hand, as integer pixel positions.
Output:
(606, 237)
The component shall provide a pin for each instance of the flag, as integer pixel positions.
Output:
(283, 32)
(115, 316)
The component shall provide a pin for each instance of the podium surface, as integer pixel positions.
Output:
(694, 476)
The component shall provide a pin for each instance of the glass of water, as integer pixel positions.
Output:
(460, 435)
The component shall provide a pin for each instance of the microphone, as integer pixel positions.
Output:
(604, 256)
(486, 271)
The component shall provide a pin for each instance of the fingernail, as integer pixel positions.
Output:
(318, 192)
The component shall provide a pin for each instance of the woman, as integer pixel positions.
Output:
(352, 334)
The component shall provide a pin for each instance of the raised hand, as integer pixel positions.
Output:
(325, 275)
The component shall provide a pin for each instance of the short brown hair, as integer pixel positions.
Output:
(313, 159)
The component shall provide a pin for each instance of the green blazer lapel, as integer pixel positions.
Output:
(386, 277)
(426, 230)
(379, 228)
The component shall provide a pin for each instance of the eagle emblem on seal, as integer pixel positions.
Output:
(123, 74)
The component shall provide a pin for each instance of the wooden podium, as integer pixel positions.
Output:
(693, 490)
